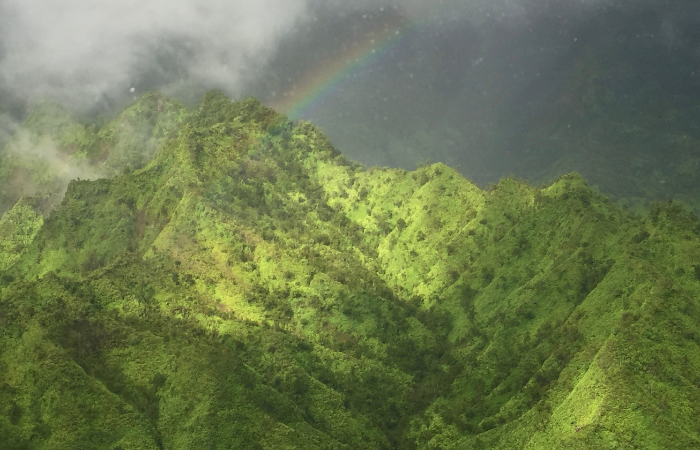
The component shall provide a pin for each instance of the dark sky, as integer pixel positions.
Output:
(465, 83)
(468, 84)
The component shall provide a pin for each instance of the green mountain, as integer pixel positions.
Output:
(251, 288)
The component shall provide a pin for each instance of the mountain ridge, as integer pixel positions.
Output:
(251, 287)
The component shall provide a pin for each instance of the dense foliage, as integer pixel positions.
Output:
(252, 288)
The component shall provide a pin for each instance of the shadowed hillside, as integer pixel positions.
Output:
(252, 288)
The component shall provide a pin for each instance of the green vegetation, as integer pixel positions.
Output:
(252, 288)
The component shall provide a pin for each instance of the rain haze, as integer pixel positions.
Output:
(524, 87)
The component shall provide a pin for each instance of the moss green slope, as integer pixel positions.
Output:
(251, 288)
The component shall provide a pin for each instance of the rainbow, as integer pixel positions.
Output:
(317, 85)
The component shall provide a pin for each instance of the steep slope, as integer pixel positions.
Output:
(251, 288)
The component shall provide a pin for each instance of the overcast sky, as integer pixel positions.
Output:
(85, 51)
(456, 85)
(81, 51)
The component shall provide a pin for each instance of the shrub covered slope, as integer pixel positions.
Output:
(251, 288)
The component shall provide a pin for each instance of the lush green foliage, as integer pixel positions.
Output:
(251, 288)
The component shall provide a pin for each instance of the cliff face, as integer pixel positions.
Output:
(252, 288)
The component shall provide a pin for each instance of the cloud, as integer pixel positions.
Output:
(79, 52)
(7, 128)
(58, 166)
(36, 166)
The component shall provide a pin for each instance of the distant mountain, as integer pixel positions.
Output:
(249, 287)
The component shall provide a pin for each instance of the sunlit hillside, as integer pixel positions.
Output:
(222, 277)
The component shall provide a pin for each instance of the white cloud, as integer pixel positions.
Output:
(77, 50)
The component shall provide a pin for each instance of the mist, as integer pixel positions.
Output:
(494, 87)
(86, 54)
